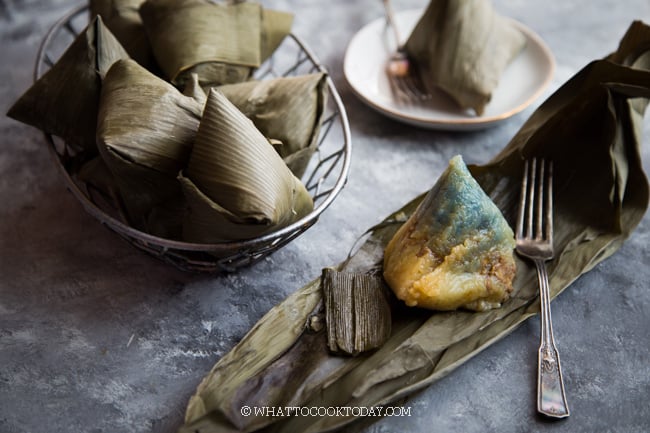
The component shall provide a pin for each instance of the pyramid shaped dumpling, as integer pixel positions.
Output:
(64, 100)
(456, 250)
(237, 186)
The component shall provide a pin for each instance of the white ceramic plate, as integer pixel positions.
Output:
(521, 83)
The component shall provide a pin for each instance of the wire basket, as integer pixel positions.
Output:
(324, 178)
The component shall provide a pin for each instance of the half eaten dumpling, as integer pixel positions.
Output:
(456, 250)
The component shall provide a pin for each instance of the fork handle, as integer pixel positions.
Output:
(551, 399)
(390, 18)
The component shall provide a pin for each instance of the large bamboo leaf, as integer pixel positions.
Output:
(591, 129)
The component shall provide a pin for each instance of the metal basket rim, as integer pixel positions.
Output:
(234, 246)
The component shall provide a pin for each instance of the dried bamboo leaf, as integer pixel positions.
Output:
(357, 312)
(463, 47)
(590, 128)
(288, 109)
(64, 100)
(234, 174)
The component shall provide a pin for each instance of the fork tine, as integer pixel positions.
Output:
(544, 202)
(416, 87)
(530, 197)
(401, 91)
(535, 216)
(541, 200)
(407, 90)
(549, 204)
(404, 89)
(521, 216)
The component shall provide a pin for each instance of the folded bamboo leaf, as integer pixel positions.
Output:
(222, 43)
(64, 100)
(145, 132)
(236, 184)
(463, 47)
(288, 109)
(122, 17)
(357, 312)
(590, 128)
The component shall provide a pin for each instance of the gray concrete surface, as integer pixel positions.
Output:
(96, 336)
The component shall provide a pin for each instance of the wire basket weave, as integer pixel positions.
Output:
(324, 178)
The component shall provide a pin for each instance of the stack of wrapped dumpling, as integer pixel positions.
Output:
(158, 100)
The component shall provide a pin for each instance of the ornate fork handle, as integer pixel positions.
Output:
(551, 399)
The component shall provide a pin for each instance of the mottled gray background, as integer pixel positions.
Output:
(96, 336)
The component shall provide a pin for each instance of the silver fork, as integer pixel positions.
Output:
(404, 81)
(535, 242)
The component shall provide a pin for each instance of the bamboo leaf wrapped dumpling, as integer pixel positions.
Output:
(456, 249)
(145, 132)
(221, 43)
(463, 47)
(64, 100)
(122, 17)
(236, 185)
(287, 109)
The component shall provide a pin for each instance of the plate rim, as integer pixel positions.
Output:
(470, 123)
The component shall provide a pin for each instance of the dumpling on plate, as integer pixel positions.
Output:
(463, 47)
(455, 251)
